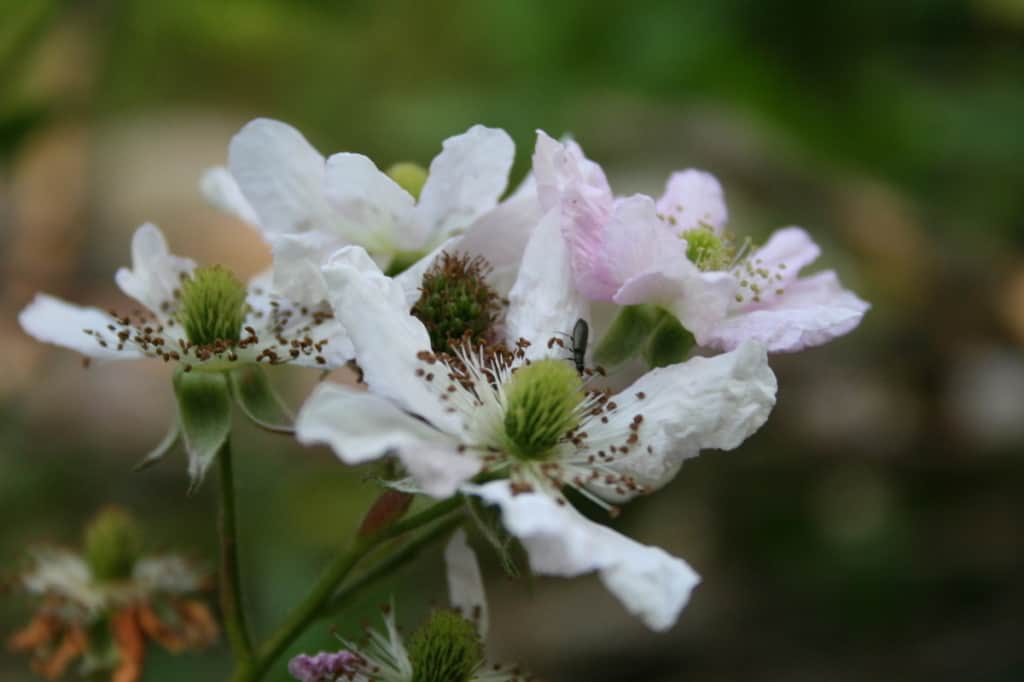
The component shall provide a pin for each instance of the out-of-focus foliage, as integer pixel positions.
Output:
(871, 531)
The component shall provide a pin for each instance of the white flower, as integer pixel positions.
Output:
(273, 331)
(526, 416)
(307, 206)
(448, 648)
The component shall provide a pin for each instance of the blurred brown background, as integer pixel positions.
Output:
(874, 529)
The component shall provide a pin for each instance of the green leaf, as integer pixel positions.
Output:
(669, 344)
(162, 448)
(627, 334)
(258, 400)
(204, 413)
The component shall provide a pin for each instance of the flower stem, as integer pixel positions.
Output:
(230, 583)
(312, 606)
(391, 564)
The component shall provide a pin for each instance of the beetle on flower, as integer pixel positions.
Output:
(513, 423)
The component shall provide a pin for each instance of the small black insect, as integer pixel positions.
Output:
(580, 335)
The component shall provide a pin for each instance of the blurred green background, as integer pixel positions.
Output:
(874, 529)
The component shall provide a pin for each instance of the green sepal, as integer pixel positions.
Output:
(628, 332)
(669, 343)
(258, 400)
(162, 448)
(204, 413)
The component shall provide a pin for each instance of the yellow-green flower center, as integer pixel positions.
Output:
(541, 408)
(456, 303)
(707, 250)
(447, 648)
(410, 176)
(212, 306)
(113, 543)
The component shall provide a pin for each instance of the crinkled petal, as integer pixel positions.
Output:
(52, 320)
(640, 245)
(704, 403)
(557, 165)
(376, 211)
(155, 273)
(360, 427)
(466, 180)
(786, 252)
(465, 584)
(693, 199)
(649, 582)
(281, 176)
(297, 262)
(501, 235)
(386, 338)
(544, 301)
(220, 189)
(566, 180)
(812, 311)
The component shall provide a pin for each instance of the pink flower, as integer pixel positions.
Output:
(675, 253)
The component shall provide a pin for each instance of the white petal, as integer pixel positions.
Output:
(52, 320)
(465, 180)
(639, 245)
(558, 165)
(155, 274)
(297, 262)
(812, 311)
(650, 583)
(693, 199)
(386, 338)
(62, 573)
(501, 235)
(465, 584)
(544, 301)
(790, 249)
(361, 427)
(220, 189)
(274, 315)
(281, 176)
(704, 403)
(376, 211)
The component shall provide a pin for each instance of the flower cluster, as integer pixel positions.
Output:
(468, 316)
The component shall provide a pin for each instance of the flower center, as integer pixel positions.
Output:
(542, 401)
(113, 543)
(409, 176)
(212, 306)
(456, 303)
(707, 250)
(447, 648)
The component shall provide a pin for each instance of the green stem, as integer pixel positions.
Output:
(312, 606)
(391, 564)
(230, 581)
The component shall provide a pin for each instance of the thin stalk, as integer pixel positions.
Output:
(230, 582)
(391, 564)
(312, 606)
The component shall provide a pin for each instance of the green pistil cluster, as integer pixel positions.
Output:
(212, 308)
(456, 303)
(113, 543)
(541, 408)
(447, 648)
(707, 250)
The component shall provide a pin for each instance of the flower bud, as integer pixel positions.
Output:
(409, 176)
(113, 543)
